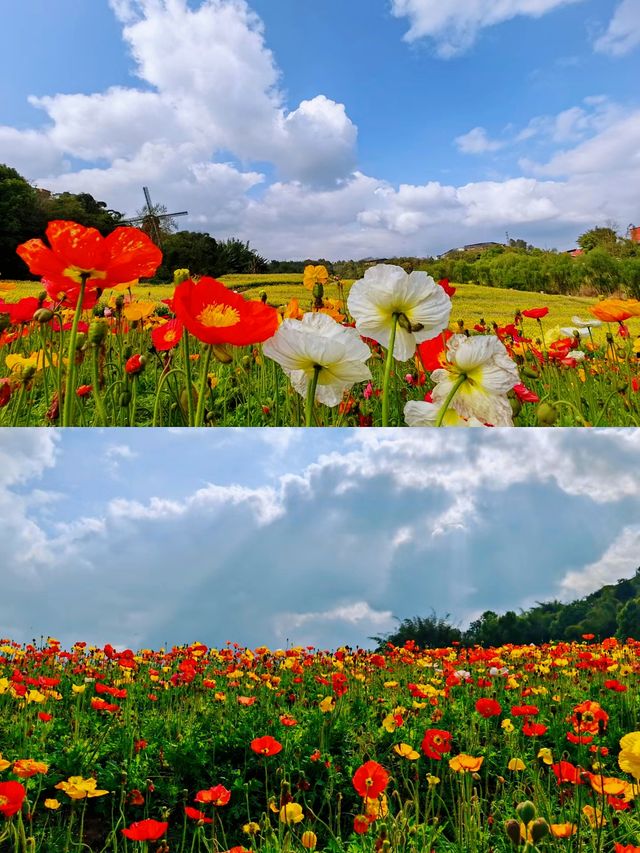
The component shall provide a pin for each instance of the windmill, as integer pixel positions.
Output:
(150, 221)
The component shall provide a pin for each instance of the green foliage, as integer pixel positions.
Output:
(605, 238)
(612, 610)
(199, 251)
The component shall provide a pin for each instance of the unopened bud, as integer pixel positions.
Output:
(97, 332)
(28, 372)
(81, 340)
(539, 829)
(526, 811)
(221, 352)
(125, 399)
(43, 315)
(318, 290)
(512, 828)
(546, 414)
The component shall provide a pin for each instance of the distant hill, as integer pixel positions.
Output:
(612, 611)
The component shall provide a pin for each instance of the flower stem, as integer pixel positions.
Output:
(203, 386)
(69, 396)
(311, 394)
(387, 370)
(187, 370)
(454, 390)
(101, 414)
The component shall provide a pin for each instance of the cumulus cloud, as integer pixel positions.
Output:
(623, 33)
(476, 141)
(426, 522)
(454, 26)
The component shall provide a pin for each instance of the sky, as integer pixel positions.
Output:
(372, 128)
(149, 538)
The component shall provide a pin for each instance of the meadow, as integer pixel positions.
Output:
(401, 749)
(89, 345)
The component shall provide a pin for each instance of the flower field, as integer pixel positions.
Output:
(232, 749)
(95, 347)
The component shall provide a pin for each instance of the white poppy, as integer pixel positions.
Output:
(572, 331)
(422, 306)
(485, 373)
(418, 413)
(317, 340)
(586, 323)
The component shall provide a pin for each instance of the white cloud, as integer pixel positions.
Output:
(454, 25)
(623, 33)
(476, 141)
(620, 560)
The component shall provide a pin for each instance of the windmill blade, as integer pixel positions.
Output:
(147, 197)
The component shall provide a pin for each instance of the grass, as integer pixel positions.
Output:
(472, 302)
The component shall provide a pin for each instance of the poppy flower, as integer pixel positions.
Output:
(134, 365)
(615, 310)
(196, 814)
(216, 315)
(291, 813)
(66, 295)
(218, 796)
(387, 291)
(361, 824)
(448, 289)
(21, 311)
(629, 757)
(535, 313)
(405, 750)
(563, 830)
(370, 779)
(27, 767)
(524, 394)
(533, 729)
(488, 708)
(73, 251)
(12, 796)
(564, 771)
(266, 745)
(317, 341)
(145, 830)
(589, 717)
(84, 390)
(435, 743)
(167, 336)
(465, 763)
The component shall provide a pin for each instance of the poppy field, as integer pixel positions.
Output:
(382, 351)
(402, 749)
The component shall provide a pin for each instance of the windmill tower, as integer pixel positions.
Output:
(150, 221)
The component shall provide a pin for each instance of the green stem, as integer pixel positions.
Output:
(67, 412)
(101, 414)
(187, 370)
(203, 386)
(387, 370)
(311, 394)
(454, 390)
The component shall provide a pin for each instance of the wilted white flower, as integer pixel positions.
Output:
(299, 346)
(421, 306)
(586, 323)
(481, 368)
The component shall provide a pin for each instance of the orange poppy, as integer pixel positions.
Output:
(75, 251)
(218, 795)
(465, 763)
(266, 745)
(216, 315)
(615, 310)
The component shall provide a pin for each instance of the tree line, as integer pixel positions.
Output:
(612, 611)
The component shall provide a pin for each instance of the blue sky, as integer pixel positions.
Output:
(143, 537)
(368, 128)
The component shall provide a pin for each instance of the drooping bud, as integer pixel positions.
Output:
(539, 829)
(98, 330)
(512, 828)
(43, 315)
(546, 414)
(221, 352)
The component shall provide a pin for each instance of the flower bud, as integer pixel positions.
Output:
(97, 332)
(263, 296)
(43, 315)
(81, 340)
(222, 353)
(181, 275)
(546, 414)
(125, 399)
(526, 811)
(516, 406)
(318, 290)
(512, 828)
(539, 829)
(28, 372)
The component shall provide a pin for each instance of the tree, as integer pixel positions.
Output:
(601, 237)
(629, 620)
(426, 631)
(20, 219)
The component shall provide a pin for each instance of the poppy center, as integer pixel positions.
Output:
(216, 315)
(3, 800)
(171, 336)
(76, 273)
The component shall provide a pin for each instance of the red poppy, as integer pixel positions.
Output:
(266, 745)
(67, 294)
(589, 717)
(535, 313)
(216, 315)
(218, 795)
(44, 717)
(134, 365)
(5, 391)
(488, 708)
(361, 824)
(84, 390)
(21, 311)
(168, 336)
(125, 255)
(136, 797)
(524, 394)
(524, 710)
(625, 848)
(579, 738)
(146, 830)
(566, 772)
(433, 352)
(12, 796)
(196, 814)
(533, 729)
(436, 743)
(614, 684)
(444, 284)
(370, 779)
